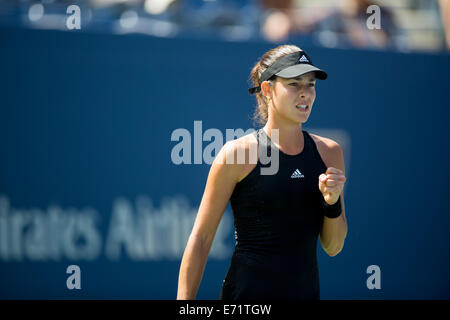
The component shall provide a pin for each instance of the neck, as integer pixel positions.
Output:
(290, 137)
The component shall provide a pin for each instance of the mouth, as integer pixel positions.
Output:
(303, 107)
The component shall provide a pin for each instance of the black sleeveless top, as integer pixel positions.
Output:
(277, 219)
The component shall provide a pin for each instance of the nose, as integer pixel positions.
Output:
(302, 94)
(302, 91)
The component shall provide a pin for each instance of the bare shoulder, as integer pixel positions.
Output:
(329, 150)
(245, 142)
(241, 154)
(323, 142)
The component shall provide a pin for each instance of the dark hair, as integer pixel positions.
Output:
(261, 112)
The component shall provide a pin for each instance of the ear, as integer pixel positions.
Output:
(266, 89)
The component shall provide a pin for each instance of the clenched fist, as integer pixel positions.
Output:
(331, 184)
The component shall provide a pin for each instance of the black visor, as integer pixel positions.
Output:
(290, 66)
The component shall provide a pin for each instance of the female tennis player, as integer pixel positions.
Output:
(278, 217)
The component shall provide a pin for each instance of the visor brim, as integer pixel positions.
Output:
(301, 69)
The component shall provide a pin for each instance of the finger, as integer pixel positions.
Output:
(322, 182)
(332, 182)
(337, 178)
(331, 170)
(334, 176)
(331, 190)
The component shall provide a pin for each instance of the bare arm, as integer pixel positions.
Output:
(220, 184)
(334, 231)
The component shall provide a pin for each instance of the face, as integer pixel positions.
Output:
(292, 99)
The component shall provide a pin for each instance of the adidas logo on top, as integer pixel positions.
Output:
(303, 59)
(297, 174)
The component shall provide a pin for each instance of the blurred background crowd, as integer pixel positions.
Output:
(406, 25)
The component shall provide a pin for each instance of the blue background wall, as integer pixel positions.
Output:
(85, 128)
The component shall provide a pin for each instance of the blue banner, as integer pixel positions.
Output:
(96, 204)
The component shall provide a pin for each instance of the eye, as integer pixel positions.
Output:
(312, 84)
(294, 84)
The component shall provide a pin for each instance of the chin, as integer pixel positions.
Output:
(300, 121)
(303, 119)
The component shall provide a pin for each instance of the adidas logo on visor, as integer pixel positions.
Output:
(303, 59)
